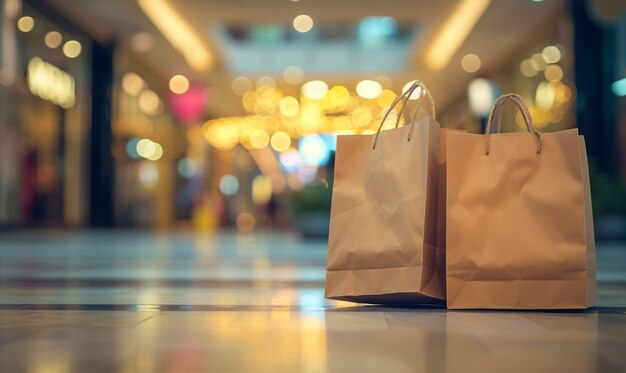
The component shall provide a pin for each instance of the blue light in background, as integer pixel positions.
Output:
(313, 150)
(331, 141)
(131, 148)
(619, 87)
(376, 31)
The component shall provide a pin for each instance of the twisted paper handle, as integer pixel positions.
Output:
(404, 97)
(496, 114)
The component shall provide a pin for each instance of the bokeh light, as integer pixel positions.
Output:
(470, 63)
(241, 85)
(149, 102)
(71, 49)
(132, 83)
(290, 160)
(289, 106)
(303, 23)
(314, 89)
(25, 24)
(53, 39)
(229, 185)
(551, 54)
(259, 139)
(314, 150)
(293, 74)
(261, 189)
(369, 89)
(187, 167)
(179, 84)
(280, 141)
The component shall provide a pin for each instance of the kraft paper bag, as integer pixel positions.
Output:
(519, 224)
(383, 223)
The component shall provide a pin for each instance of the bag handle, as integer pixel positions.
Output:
(404, 97)
(496, 113)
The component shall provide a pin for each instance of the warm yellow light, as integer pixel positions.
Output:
(454, 32)
(71, 49)
(149, 102)
(223, 137)
(178, 32)
(527, 68)
(315, 89)
(553, 73)
(266, 81)
(53, 39)
(538, 62)
(336, 99)
(545, 95)
(369, 89)
(132, 83)
(303, 23)
(179, 84)
(470, 63)
(249, 101)
(293, 74)
(280, 141)
(145, 148)
(51, 83)
(261, 189)
(551, 54)
(361, 116)
(386, 98)
(241, 85)
(259, 139)
(25, 24)
(289, 106)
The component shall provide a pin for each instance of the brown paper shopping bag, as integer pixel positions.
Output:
(383, 223)
(519, 228)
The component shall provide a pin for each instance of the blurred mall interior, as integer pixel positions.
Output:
(166, 169)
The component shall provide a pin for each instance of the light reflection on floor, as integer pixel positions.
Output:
(177, 302)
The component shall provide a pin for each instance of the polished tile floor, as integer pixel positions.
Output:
(108, 301)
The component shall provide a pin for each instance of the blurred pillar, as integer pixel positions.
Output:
(594, 58)
(9, 123)
(102, 173)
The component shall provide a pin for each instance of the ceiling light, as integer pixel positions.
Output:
(25, 24)
(303, 23)
(149, 102)
(53, 39)
(315, 89)
(132, 83)
(471, 63)
(71, 49)
(551, 54)
(369, 89)
(454, 32)
(179, 84)
(178, 32)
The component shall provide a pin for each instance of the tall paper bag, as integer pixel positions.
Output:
(519, 229)
(383, 224)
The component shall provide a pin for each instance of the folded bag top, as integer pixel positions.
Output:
(383, 224)
(519, 227)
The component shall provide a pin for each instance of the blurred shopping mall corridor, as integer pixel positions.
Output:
(162, 302)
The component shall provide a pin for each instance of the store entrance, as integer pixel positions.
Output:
(42, 160)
